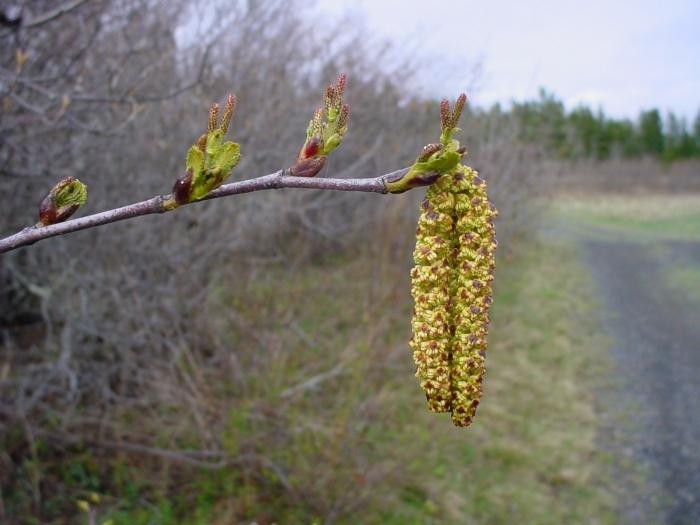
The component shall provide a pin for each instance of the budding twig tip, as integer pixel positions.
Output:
(228, 112)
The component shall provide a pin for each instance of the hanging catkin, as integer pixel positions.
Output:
(451, 283)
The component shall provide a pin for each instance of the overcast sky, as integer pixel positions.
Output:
(624, 55)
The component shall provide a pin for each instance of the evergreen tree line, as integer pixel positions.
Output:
(584, 133)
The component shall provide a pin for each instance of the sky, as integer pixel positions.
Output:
(622, 55)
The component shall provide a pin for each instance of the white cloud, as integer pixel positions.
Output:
(625, 55)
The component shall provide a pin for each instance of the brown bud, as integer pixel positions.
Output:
(50, 214)
(308, 167)
(182, 188)
(202, 142)
(62, 201)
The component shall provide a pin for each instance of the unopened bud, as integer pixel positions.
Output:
(63, 200)
(308, 167)
(182, 189)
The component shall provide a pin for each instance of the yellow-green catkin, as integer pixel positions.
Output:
(451, 287)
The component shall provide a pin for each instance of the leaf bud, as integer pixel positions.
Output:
(62, 201)
(308, 167)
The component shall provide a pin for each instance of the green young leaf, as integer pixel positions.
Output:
(214, 139)
(425, 172)
(443, 161)
(70, 192)
(226, 157)
(203, 184)
(332, 143)
(195, 160)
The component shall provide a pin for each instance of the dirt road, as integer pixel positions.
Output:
(655, 344)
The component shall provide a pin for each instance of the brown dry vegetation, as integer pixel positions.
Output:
(240, 359)
(624, 177)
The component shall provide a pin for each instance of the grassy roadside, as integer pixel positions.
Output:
(657, 220)
(638, 217)
(328, 410)
(531, 455)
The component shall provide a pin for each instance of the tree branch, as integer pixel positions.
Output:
(163, 203)
(53, 14)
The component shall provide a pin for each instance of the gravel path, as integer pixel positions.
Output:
(655, 346)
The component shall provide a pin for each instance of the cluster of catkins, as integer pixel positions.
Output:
(451, 284)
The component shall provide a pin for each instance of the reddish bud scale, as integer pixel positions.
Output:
(182, 188)
(47, 211)
(308, 167)
(311, 148)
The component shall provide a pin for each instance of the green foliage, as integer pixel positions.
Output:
(210, 172)
(543, 121)
(679, 143)
(210, 160)
(583, 133)
(651, 134)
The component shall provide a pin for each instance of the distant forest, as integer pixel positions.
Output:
(585, 133)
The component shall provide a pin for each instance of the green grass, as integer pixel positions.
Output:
(362, 444)
(637, 216)
(530, 456)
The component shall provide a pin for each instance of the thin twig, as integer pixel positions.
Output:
(313, 382)
(53, 14)
(162, 203)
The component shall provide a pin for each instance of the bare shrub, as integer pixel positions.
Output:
(257, 337)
